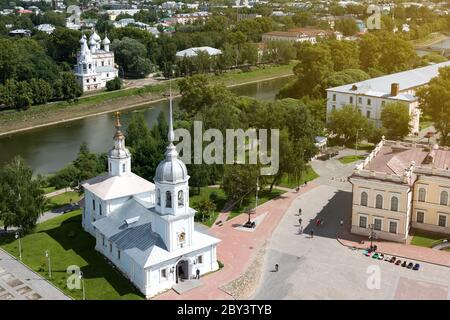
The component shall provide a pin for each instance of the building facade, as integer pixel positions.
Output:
(147, 230)
(371, 95)
(300, 35)
(95, 65)
(400, 186)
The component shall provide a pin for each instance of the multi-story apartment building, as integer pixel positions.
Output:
(371, 95)
(300, 35)
(401, 185)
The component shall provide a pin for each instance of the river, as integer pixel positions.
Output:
(50, 148)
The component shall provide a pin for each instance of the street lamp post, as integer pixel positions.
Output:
(82, 285)
(47, 255)
(372, 235)
(20, 244)
(356, 142)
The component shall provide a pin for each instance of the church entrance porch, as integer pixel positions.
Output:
(182, 270)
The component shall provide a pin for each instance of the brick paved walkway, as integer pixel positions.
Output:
(238, 248)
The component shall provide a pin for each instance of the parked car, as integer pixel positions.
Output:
(410, 265)
(416, 267)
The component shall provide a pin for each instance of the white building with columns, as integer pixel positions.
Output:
(145, 229)
(95, 65)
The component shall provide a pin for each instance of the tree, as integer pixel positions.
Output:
(348, 27)
(396, 120)
(205, 208)
(114, 84)
(434, 101)
(132, 56)
(66, 177)
(347, 122)
(347, 76)
(71, 89)
(62, 44)
(41, 90)
(10, 57)
(239, 181)
(88, 164)
(22, 200)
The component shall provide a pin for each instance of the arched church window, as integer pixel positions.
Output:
(168, 199)
(158, 197)
(180, 198)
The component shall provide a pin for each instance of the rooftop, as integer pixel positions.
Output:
(399, 161)
(381, 86)
(109, 187)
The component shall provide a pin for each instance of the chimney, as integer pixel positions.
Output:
(395, 87)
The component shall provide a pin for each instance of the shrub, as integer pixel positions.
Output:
(114, 84)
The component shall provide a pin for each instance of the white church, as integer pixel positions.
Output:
(95, 66)
(145, 229)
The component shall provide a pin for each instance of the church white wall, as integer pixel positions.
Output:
(156, 284)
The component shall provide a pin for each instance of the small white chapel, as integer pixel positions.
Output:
(147, 230)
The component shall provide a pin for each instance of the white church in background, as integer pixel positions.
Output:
(145, 229)
(95, 66)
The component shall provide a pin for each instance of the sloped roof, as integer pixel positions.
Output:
(381, 86)
(108, 187)
(192, 52)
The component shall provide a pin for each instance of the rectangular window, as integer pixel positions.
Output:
(164, 273)
(359, 100)
(118, 254)
(392, 226)
(377, 224)
(442, 220)
(420, 216)
(363, 222)
(123, 167)
(103, 240)
(93, 205)
(100, 208)
(351, 100)
(369, 102)
(200, 259)
(334, 97)
(368, 114)
(110, 246)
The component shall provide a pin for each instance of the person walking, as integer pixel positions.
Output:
(300, 211)
(276, 267)
(300, 231)
(197, 273)
(311, 233)
(300, 221)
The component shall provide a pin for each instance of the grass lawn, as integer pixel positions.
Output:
(70, 245)
(363, 146)
(62, 200)
(48, 189)
(350, 159)
(424, 239)
(263, 196)
(289, 182)
(205, 192)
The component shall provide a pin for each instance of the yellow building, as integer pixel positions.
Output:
(401, 185)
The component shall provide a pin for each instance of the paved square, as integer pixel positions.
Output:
(321, 268)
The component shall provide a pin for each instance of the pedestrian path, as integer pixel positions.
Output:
(58, 192)
(237, 249)
(18, 282)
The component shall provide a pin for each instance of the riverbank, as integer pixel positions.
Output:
(12, 121)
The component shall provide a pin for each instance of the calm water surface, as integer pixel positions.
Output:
(50, 148)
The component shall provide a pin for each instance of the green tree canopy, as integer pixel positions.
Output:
(395, 119)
